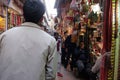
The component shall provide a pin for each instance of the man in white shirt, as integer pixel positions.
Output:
(26, 51)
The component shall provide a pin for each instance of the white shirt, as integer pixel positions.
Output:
(27, 53)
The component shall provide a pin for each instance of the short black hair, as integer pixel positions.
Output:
(33, 10)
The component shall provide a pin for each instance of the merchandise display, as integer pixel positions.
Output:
(98, 28)
(14, 18)
(2, 18)
(2, 24)
(85, 19)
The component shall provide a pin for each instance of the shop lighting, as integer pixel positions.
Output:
(96, 8)
(1, 19)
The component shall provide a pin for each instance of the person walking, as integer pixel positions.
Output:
(59, 52)
(26, 51)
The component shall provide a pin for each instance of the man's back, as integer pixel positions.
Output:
(27, 53)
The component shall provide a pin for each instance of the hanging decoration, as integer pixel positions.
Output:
(111, 71)
(73, 4)
(118, 24)
(107, 37)
(110, 45)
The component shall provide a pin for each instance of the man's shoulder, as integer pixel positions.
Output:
(6, 32)
(44, 33)
(48, 35)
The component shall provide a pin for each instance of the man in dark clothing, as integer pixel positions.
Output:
(63, 57)
(82, 57)
(68, 49)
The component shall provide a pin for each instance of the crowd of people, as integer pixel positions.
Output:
(77, 57)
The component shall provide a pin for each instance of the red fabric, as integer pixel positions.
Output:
(107, 35)
(69, 18)
(18, 20)
(13, 18)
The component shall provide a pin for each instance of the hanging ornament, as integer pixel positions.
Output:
(73, 4)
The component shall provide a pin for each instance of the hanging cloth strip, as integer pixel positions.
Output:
(113, 47)
(118, 14)
(112, 72)
(107, 36)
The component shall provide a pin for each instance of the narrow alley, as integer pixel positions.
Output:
(67, 75)
(59, 39)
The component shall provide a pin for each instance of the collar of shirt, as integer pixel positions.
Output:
(30, 24)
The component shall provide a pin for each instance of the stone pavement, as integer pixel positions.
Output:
(67, 75)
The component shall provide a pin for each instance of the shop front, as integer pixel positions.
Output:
(3, 6)
(2, 24)
(10, 14)
(97, 24)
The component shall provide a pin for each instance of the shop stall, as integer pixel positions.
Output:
(97, 24)
(85, 19)
(3, 6)
(90, 21)
(14, 13)
(10, 14)
(14, 18)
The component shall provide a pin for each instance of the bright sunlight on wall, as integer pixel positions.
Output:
(50, 7)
